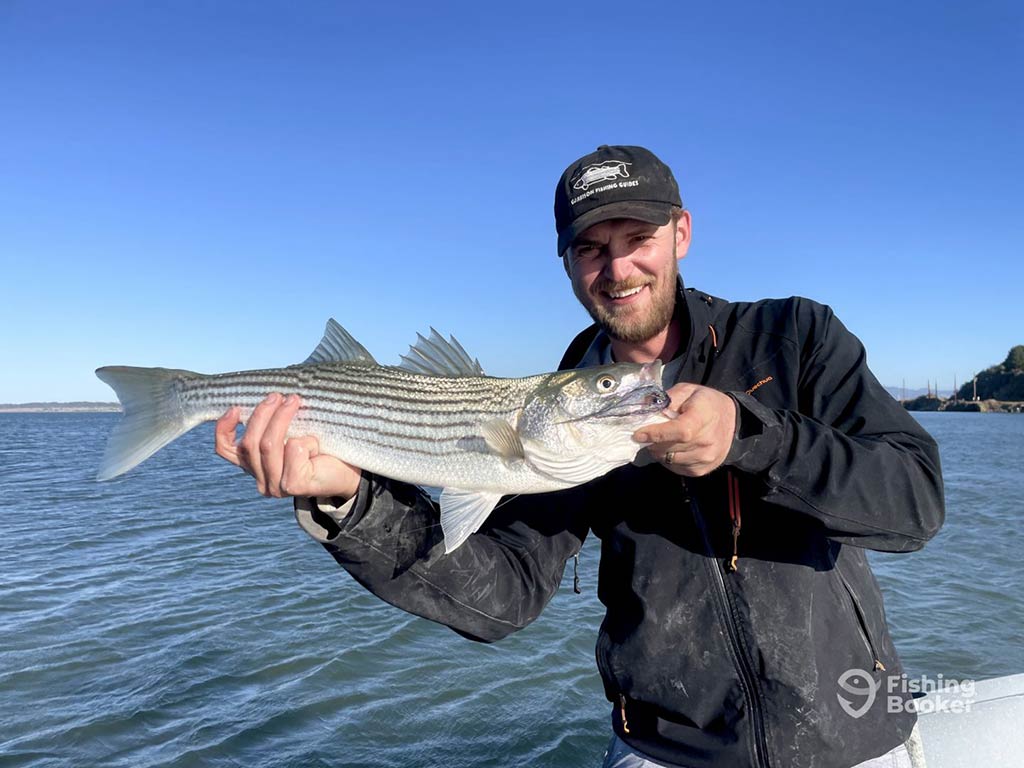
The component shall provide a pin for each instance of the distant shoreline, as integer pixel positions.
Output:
(951, 405)
(82, 407)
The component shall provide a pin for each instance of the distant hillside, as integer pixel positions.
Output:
(1000, 382)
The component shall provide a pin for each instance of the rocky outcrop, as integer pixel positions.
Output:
(1000, 382)
(1000, 389)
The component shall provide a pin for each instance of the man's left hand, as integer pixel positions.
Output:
(699, 434)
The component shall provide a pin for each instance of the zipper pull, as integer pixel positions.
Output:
(731, 566)
(879, 666)
(622, 712)
(737, 520)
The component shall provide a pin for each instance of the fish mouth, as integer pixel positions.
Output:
(648, 399)
(641, 401)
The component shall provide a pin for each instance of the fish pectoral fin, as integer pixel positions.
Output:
(572, 469)
(437, 356)
(502, 438)
(338, 346)
(462, 513)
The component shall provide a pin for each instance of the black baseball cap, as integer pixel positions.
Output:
(615, 182)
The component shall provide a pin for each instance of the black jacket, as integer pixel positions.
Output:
(707, 664)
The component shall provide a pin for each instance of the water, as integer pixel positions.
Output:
(168, 618)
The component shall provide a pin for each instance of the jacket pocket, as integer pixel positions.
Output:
(862, 625)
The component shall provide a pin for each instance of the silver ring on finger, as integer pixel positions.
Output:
(668, 457)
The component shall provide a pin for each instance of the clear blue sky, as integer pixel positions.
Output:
(202, 184)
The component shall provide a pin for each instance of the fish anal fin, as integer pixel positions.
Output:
(462, 513)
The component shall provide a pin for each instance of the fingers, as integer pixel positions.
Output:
(282, 466)
(697, 441)
(678, 395)
(688, 414)
(694, 461)
(272, 444)
(261, 449)
(307, 472)
(298, 475)
(224, 435)
(249, 445)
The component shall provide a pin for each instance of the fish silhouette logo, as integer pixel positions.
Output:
(859, 683)
(606, 171)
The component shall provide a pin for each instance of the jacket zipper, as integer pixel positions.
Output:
(862, 624)
(747, 676)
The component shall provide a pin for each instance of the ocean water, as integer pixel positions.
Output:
(173, 618)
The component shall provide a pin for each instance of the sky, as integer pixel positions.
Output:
(201, 185)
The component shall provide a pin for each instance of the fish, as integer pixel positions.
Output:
(435, 420)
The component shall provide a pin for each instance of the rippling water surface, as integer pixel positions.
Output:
(169, 618)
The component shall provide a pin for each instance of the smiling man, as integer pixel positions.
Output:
(739, 600)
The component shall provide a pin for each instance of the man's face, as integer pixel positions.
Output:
(624, 274)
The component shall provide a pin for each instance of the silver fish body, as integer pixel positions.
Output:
(436, 420)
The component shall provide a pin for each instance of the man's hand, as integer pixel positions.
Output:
(700, 433)
(283, 466)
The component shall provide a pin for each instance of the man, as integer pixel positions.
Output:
(733, 564)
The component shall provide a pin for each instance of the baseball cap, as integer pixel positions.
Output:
(615, 182)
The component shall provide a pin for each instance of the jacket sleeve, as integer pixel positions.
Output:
(495, 583)
(849, 455)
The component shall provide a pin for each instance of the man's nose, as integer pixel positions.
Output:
(618, 266)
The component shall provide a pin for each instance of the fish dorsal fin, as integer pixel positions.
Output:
(462, 512)
(503, 439)
(437, 357)
(338, 346)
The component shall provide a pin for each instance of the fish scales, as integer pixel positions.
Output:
(418, 413)
(396, 446)
(366, 392)
(363, 413)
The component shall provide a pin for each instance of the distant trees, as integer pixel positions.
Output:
(1000, 382)
(1015, 360)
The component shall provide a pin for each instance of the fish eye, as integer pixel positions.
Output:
(606, 383)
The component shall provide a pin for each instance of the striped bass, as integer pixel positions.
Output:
(434, 420)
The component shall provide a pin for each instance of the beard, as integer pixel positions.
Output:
(627, 323)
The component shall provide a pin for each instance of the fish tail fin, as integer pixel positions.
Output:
(153, 415)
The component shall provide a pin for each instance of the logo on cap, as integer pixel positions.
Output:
(606, 171)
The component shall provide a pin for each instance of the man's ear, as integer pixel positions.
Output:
(565, 263)
(683, 233)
